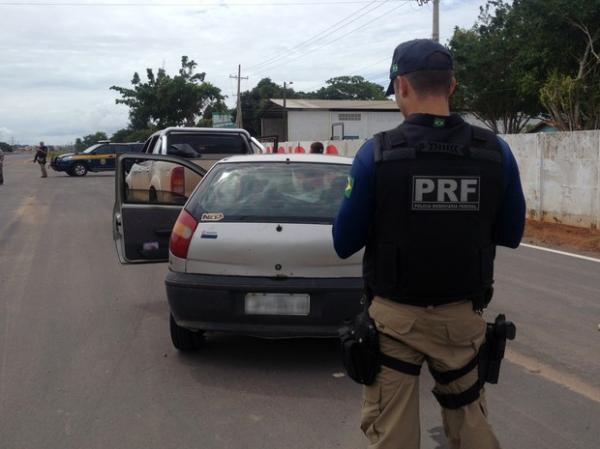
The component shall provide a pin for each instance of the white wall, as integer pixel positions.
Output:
(560, 173)
(316, 125)
(309, 125)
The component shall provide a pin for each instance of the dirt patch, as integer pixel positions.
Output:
(570, 238)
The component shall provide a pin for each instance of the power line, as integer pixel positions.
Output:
(214, 5)
(319, 35)
(333, 41)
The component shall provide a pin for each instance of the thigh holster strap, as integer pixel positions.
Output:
(399, 365)
(445, 377)
(454, 401)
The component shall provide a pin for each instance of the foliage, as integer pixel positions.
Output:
(350, 88)
(165, 100)
(5, 147)
(132, 135)
(493, 82)
(255, 101)
(89, 140)
(527, 56)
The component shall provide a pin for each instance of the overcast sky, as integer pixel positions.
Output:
(59, 58)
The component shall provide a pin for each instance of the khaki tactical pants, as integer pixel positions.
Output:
(43, 169)
(448, 337)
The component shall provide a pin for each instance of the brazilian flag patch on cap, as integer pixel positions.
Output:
(349, 185)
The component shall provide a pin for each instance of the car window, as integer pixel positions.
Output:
(104, 149)
(149, 144)
(157, 145)
(91, 149)
(271, 192)
(199, 144)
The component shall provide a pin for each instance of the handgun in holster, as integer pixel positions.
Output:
(492, 351)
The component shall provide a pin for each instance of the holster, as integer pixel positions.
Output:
(360, 347)
(487, 360)
(492, 351)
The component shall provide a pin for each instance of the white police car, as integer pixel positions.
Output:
(251, 250)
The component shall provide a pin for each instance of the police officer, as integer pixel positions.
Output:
(1, 164)
(40, 157)
(429, 201)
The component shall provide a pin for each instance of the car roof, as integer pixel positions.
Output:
(291, 157)
(183, 129)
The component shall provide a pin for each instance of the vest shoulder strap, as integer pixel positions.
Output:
(485, 145)
(391, 145)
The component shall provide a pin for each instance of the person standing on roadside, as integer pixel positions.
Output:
(1, 166)
(41, 155)
(316, 148)
(429, 201)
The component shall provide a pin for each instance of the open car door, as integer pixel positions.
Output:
(146, 209)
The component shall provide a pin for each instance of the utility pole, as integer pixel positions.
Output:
(238, 115)
(436, 21)
(435, 35)
(285, 115)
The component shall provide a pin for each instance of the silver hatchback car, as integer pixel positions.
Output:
(250, 251)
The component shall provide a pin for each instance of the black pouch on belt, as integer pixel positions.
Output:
(360, 348)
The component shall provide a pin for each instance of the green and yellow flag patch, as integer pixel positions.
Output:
(349, 185)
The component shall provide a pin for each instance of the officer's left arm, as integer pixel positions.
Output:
(351, 226)
(511, 219)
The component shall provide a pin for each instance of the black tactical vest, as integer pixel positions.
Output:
(432, 241)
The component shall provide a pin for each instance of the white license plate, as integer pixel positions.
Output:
(277, 304)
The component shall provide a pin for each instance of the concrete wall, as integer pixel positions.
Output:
(560, 173)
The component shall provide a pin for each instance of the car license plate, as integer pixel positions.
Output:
(277, 304)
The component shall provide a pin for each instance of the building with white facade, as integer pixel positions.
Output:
(328, 119)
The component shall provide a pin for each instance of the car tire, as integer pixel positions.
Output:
(70, 172)
(79, 169)
(184, 339)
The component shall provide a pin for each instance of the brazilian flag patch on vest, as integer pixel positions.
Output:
(438, 122)
(349, 185)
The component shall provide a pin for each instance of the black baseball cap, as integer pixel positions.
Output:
(414, 56)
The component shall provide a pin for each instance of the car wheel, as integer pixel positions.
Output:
(184, 339)
(79, 169)
(70, 173)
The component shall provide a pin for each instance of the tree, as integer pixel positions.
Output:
(494, 84)
(529, 56)
(164, 101)
(5, 147)
(131, 135)
(255, 100)
(350, 88)
(89, 140)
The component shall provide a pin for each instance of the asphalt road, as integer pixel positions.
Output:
(86, 361)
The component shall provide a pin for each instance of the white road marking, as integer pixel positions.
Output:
(578, 256)
(569, 381)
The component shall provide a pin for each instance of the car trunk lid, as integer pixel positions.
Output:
(267, 249)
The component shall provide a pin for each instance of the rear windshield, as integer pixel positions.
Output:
(196, 145)
(270, 192)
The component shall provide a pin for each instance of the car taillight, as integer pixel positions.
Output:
(178, 180)
(182, 233)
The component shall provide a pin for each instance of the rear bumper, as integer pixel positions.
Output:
(216, 303)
